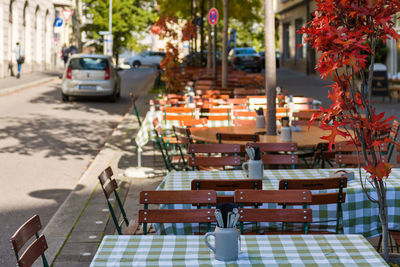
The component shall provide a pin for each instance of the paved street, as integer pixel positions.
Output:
(46, 145)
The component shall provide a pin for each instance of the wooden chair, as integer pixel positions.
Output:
(346, 154)
(250, 123)
(323, 155)
(217, 116)
(171, 162)
(184, 139)
(202, 122)
(226, 185)
(237, 137)
(303, 117)
(244, 114)
(109, 187)
(204, 155)
(201, 215)
(278, 153)
(274, 215)
(37, 248)
(337, 197)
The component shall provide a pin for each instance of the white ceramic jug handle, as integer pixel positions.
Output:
(206, 240)
(244, 168)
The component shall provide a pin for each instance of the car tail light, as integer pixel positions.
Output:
(69, 73)
(107, 75)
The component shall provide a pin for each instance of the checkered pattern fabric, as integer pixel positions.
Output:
(360, 216)
(262, 250)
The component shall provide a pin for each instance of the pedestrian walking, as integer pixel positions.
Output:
(65, 54)
(73, 49)
(19, 57)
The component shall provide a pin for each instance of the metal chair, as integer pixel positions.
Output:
(274, 215)
(337, 197)
(110, 186)
(37, 248)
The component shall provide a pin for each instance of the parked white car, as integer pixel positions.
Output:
(146, 58)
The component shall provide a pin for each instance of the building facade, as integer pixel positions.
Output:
(293, 15)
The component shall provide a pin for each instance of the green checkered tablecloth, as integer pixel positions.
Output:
(360, 216)
(260, 250)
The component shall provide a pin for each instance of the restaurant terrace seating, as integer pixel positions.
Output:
(338, 198)
(36, 249)
(258, 197)
(347, 155)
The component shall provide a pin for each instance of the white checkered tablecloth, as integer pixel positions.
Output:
(360, 216)
(260, 250)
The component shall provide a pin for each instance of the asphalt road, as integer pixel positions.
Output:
(46, 145)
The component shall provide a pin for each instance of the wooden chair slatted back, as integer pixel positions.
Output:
(214, 161)
(214, 148)
(33, 252)
(244, 123)
(177, 110)
(278, 159)
(178, 197)
(273, 196)
(177, 117)
(110, 188)
(353, 159)
(226, 185)
(177, 216)
(193, 122)
(26, 232)
(275, 147)
(275, 215)
(244, 113)
(319, 184)
(105, 175)
(237, 137)
(36, 249)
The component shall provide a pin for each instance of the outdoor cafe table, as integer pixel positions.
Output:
(305, 138)
(255, 250)
(360, 216)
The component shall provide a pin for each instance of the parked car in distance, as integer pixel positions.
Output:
(190, 59)
(90, 75)
(245, 58)
(277, 58)
(146, 58)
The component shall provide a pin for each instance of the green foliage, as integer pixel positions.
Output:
(128, 16)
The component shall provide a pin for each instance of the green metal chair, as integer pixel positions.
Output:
(110, 186)
(134, 99)
(37, 248)
(337, 197)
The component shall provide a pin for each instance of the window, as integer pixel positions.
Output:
(89, 63)
(286, 34)
(299, 39)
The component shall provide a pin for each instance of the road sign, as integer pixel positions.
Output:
(58, 22)
(67, 14)
(213, 16)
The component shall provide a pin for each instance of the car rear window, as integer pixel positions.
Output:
(89, 63)
(245, 51)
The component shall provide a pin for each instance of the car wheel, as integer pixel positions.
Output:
(136, 64)
(64, 98)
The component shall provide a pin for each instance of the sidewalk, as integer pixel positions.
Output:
(75, 231)
(12, 84)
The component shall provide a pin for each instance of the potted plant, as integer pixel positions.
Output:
(345, 33)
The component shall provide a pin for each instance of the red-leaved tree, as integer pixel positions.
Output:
(345, 33)
(167, 27)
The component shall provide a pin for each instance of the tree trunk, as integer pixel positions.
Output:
(270, 67)
(225, 47)
(209, 43)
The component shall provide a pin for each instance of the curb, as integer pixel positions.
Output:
(17, 88)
